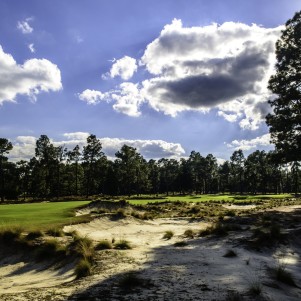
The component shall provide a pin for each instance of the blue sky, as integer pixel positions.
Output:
(166, 77)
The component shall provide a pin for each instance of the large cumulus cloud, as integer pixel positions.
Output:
(223, 67)
(31, 78)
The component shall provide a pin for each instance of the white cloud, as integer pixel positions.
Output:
(92, 97)
(24, 146)
(255, 143)
(31, 78)
(31, 48)
(200, 68)
(154, 149)
(223, 67)
(124, 67)
(24, 26)
(127, 98)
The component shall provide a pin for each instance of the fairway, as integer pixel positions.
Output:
(39, 215)
(218, 198)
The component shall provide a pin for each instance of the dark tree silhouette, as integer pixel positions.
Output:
(285, 121)
(5, 148)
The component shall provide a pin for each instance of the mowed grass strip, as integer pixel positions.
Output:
(40, 215)
(219, 198)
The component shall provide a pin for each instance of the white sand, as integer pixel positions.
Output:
(197, 271)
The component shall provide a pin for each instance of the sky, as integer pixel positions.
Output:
(164, 76)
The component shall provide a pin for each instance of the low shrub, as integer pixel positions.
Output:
(255, 288)
(83, 247)
(130, 280)
(122, 245)
(34, 235)
(217, 229)
(83, 268)
(50, 249)
(283, 275)
(121, 213)
(168, 235)
(189, 233)
(10, 234)
(103, 245)
(56, 232)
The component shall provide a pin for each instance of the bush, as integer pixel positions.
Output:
(283, 275)
(83, 247)
(130, 280)
(83, 268)
(168, 235)
(189, 233)
(50, 249)
(56, 232)
(34, 235)
(10, 235)
(217, 229)
(121, 213)
(123, 245)
(104, 245)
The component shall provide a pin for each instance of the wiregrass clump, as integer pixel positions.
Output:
(50, 249)
(189, 233)
(56, 232)
(130, 281)
(104, 245)
(34, 235)
(217, 229)
(83, 268)
(122, 244)
(168, 234)
(281, 274)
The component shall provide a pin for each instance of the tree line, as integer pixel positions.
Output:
(56, 172)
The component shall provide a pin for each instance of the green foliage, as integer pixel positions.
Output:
(50, 249)
(122, 244)
(83, 247)
(9, 235)
(168, 235)
(34, 235)
(130, 281)
(104, 245)
(281, 274)
(189, 233)
(56, 232)
(216, 229)
(83, 268)
(284, 123)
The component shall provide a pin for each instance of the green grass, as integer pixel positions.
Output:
(219, 198)
(40, 216)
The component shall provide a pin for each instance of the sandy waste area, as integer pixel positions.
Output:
(196, 271)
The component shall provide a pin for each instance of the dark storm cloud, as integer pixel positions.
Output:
(228, 79)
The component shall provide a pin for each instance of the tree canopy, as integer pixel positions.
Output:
(285, 121)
